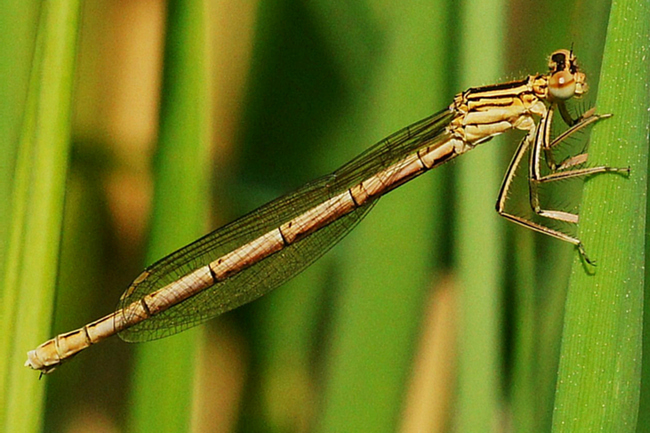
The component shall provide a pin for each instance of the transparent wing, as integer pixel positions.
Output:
(265, 275)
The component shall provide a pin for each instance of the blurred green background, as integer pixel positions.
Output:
(434, 315)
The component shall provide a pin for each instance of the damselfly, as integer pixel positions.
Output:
(249, 257)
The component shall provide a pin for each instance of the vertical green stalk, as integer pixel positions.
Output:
(480, 249)
(539, 289)
(17, 32)
(599, 376)
(386, 276)
(164, 370)
(37, 206)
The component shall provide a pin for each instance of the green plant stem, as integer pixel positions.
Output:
(38, 195)
(480, 246)
(164, 370)
(385, 278)
(599, 375)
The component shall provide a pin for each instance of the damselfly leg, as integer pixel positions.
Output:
(538, 141)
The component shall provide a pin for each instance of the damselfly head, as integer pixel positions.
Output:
(565, 80)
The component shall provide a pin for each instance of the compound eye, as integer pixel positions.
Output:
(562, 85)
(558, 61)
